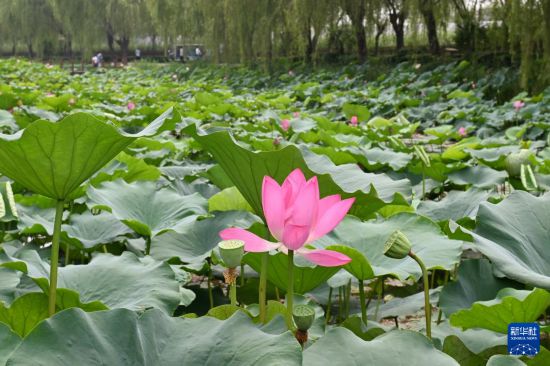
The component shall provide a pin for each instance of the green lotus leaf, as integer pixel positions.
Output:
(194, 241)
(474, 340)
(9, 280)
(479, 176)
(455, 206)
(369, 237)
(124, 281)
(35, 220)
(515, 235)
(91, 230)
(509, 306)
(54, 159)
(247, 169)
(359, 266)
(341, 347)
(504, 360)
(454, 347)
(121, 337)
(145, 209)
(31, 308)
(305, 278)
(476, 282)
(227, 200)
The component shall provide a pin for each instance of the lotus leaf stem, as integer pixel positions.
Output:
(362, 299)
(290, 290)
(262, 291)
(427, 306)
(55, 256)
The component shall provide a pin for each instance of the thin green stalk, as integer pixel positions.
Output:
(379, 292)
(147, 245)
(432, 282)
(348, 298)
(440, 313)
(233, 294)
(329, 305)
(290, 290)
(423, 183)
(340, 305)
(67, 251)
(363, 301)
(55, 256)
(277, 295)
(210, 294)
(427, 306)
(262, 291)
(242, 274)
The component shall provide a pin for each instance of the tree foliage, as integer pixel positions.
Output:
(258, 31)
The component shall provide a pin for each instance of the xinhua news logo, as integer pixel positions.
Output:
(523, 339)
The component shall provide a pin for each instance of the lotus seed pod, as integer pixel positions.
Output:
(303, 315)
(397, 246)
(232, 252)
(514, 161)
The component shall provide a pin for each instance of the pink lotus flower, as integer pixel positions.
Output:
(285, 124)
(277, 141)
(354, 120)
(462, 131)
(296, 114)
(295, 217)
(518, 104)
(71, 101)
(131, 106)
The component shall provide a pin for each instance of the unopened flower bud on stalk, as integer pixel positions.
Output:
(397, 246)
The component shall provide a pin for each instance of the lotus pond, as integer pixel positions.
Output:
(176, 215)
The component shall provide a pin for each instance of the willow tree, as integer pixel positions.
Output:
(166, 18)
(242, 24)
(428, 10)
(397, 14)
(311, 18)
(123, 20)
(356, 11)
(32, 21)
(8, 22)
(81, 24)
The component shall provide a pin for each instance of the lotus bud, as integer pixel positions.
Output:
(514, 161)
(232, 252)
(397, 246)
(8, 210)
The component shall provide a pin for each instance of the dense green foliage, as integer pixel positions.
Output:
(259, 32)
(448, 155)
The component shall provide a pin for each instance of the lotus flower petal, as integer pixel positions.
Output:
(252, 242)
(325, 258)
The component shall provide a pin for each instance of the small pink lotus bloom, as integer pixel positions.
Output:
(131, 106)
(296, 114)
(518, 104)
(71, 101)
(296, 216)
(291, 73)
(285, 124)
(49, 94)
(354, 120)
(462, 131)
